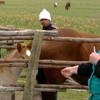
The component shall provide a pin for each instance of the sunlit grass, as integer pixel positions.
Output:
(73, 95)
(90, 25)
(83, 15)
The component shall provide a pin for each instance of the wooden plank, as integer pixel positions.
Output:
(60, 62)
(60, 39)
(54, 62)
(62, 86)
(11, 41)
(27, 32)
(16, 38)
(33, 67)
(25, 65)
(42, 63)
(47, 87)
(13, 65)
(8, 47)
(50, 89)
(10, 89)
(74, 39)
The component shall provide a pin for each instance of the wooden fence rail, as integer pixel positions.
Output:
(73, 39)
(9, 42)
(59, 62)
(9, 89)
(42, 63)
(61, 39)
(26, 65)
(43, 87)
(27, 33)
(8, 47)
(62, 86)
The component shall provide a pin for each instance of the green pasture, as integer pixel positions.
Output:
(84, 15)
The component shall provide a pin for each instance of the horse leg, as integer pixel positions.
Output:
(49, 95)
(13, 96)
(41, 79)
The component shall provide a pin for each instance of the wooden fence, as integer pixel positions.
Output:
(34, 61)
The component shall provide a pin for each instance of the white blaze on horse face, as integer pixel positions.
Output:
(28, 53)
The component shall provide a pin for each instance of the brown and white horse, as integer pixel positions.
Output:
(69, 51)
(9, 75)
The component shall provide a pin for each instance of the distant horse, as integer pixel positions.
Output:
(9, 75)
(55, 4)
(2, 2)
(69, 51)
(67, 6)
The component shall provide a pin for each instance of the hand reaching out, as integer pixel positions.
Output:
(68, 71)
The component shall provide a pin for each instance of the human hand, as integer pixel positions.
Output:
(68, 71)
(94, 57)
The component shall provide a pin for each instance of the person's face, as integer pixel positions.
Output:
(45, 22)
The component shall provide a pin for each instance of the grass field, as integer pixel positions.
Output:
(84, 15)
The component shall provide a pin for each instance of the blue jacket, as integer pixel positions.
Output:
(50, 27)
(94, 86)
(89, 69)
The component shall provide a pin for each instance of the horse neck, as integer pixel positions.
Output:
(9, 75)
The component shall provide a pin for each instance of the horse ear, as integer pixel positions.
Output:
(29, 46)
(19, 47)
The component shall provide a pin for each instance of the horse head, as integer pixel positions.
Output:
(24, 50)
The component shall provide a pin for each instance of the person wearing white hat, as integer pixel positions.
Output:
(45, 19)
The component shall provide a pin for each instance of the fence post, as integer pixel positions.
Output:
(33, 67)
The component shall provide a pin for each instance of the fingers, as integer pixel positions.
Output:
(63, 71)
(66, 75)
(66, 72)
(94, 57)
